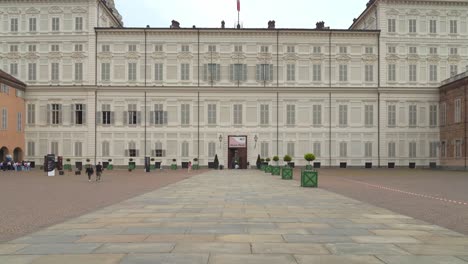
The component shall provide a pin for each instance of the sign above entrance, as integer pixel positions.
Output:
(238, 142)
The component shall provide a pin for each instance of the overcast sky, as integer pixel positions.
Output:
(338, 14)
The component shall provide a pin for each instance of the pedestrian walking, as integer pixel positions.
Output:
(89, 171)
(98, 171)
(189, 167)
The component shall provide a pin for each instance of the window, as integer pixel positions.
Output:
(211, 149)
(132, 114)
(453, 51)
(132, 48)
(264, 114)
(78, 149)
(433, 149)
(32, 71)
(412, 116)
(132, 151)
(238, 48)
(453, 27)
(453, 70)
(290, 114)
(54, 48)
(79, 114)
(55, 114)
(185, 48)
(13, 48)
(369, 73)
(105, 149)
(369, 115)
(392, 25)
(317, 72)
(433, 73)
(78, 71)
(317, 149)
(78, 23)
(458, 149)
(264, 72)
(185, 72)
(185, 149)
(412, 150)
(368, 149)
(211, 72)
(432, 26)
(433, 51)
(212, 114)
(211, 48)
(443, 114)
(391, 115)
(458, 110)
(291, 49)
(31, 115)
(105, 71)
(14, 69)
(32, 48)
(391, 72)
(14, 25)
(159, 152)
(55, 71)
(317, 49)
(291, 72)
(343, 50)
(391, 149)
(32, 24)
(443, 149)
(412, 26)
(290, 149)
(4, 118)
(160, 116)
(343, 115)
(31, 149)
(412, 73)
(317, 115)
(369, 50)
(413, 50)
(264, 150)
(105, 48)
(238, 72)
(343, 149)
(4, 88)
(54, 146)
(158, 72)
(158, 48)
(343, 73)
(433, 115)
(237, 114)
(391, 50)
(185, 114)
(55, 24)
(132, 71)
(78, 47)
(264, 49)
(107, 115)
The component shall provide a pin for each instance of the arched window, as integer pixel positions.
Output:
(158, 150)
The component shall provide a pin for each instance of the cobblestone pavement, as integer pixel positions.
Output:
(31, 200)
(437, 197)
(239, 217)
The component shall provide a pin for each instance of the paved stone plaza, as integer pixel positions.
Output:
(239, 217)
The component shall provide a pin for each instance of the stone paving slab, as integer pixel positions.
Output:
(239, 217)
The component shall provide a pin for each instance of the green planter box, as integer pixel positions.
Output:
(287, 173)
(309, 178)
(152, 167)
(67, 167)
(269, 169)
(110, 167)
(173, 166)
(276, 171)
(131, 165)
(309, 167)
(195, 167)
(263, 167)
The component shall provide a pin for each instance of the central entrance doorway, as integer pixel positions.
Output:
(237, 153)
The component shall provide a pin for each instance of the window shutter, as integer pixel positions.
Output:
(258, 72)
(49, 109)
(271, 72)
(231, 72)
(153, 153)
(218, 72)
(126, 153)
(125, 118)
(205, 72)
(244, 72)
(152, 113)
(72, 114)
(60, 114)
(165, 117)
(84, 114)
(137, 153)
(98, 118)
(138, 118)
(164, 153)
(112, 120)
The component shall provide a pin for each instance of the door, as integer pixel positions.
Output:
(237, 152)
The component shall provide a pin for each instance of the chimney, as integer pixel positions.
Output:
(320, 25)
(175, 24)
(223, 24)
(271, 24)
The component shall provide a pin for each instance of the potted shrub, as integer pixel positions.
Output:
(309, 176)
(174, 164)
(216, 162)
(195, 165)
(259, 162)
(264, 164)
(131, 164)
(287, 171)
(67, 166)
(269, 168)
(275, 170)
(152, 165)
(110, 166)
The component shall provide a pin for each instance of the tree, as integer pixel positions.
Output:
(259, 162)
(309, 157)
(216, 161)
(276, 159)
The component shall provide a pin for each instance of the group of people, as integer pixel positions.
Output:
(90, 171)
(15, 166)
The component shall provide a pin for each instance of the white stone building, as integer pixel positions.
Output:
(101, 91)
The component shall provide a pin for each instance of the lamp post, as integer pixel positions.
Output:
(220, 140)
(255, 139)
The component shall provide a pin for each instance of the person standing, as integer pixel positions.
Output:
(189, 167)
(98, 171)
(89, 171)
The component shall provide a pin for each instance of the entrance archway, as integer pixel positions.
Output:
(237, 152)
(3, 153)
(18, 155)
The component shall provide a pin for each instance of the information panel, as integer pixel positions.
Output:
(237, 142)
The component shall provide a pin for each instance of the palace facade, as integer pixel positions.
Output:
(99, 90)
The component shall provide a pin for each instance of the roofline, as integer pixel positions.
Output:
(110, 11)
(363, 13)
(235, 29)
(12, 81)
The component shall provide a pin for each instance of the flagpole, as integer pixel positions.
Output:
(238, 14)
